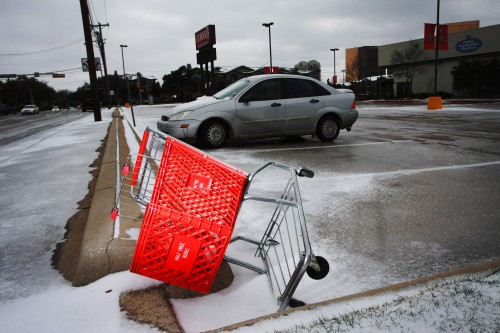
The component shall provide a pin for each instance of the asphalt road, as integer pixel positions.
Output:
(15, 127)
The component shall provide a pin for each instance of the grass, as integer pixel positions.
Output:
(469, 304)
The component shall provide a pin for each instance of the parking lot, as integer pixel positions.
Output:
(407, 193)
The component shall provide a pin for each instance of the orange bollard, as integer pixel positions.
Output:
(435, 103)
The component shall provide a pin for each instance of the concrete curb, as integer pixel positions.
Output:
(100, 253)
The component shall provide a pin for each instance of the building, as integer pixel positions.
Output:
(466, 42)
(361, 62)
(225, 75)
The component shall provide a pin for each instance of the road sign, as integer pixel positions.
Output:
(85, 64)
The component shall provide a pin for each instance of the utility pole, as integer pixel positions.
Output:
(100, 43)
(91, 59)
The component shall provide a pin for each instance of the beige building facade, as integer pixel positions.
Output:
(465, 42)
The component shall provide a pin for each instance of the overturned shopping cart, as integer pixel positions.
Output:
(192, 201)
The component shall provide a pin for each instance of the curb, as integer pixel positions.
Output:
(101, 254)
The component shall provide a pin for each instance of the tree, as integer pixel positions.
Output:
(477, 78)
(28, 91)
(405, 64)
(181, 83)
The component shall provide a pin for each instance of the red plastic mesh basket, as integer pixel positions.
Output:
(192, 182)
(190, 218)
(180, 248)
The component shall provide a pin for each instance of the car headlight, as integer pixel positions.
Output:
(180, 115)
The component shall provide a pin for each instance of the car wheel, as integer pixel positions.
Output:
(213, 134)
(328, 129)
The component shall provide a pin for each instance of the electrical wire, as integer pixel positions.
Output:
(77, 41)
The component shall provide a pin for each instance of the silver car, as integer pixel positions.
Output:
(263, 106)
(30, 109)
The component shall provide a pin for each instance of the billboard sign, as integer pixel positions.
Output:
(205, 37)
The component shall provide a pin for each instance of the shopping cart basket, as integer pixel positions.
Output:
(192, 201)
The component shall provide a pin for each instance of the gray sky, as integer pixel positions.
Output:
(47, 36)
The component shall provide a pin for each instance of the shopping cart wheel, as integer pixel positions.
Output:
(295, 303)
(321, 270)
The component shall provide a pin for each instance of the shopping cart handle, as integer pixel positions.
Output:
(303, 172)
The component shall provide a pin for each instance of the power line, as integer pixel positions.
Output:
(77, 41)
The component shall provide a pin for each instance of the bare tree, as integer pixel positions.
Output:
(405, 64)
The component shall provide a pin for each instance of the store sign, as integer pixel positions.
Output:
(468, 45)
(205, 37)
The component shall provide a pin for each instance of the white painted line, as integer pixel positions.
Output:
(321, 147)
(116, 232)
(443, 168)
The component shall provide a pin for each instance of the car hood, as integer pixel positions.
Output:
(194, 105)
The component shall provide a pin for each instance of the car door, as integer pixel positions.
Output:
(261, 110)
(304, 101)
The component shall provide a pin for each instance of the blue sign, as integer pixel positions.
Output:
(468, 45)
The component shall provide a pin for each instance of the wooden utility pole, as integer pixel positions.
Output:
(100, 42)
(91, 59)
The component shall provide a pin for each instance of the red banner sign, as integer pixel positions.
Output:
(443, 37)
(430, 37)
(429, 41)
(275, 70)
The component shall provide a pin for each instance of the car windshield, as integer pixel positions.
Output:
(232, 90)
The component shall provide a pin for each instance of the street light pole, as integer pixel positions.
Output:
(268, 25)
(334, 65)
(128, 85)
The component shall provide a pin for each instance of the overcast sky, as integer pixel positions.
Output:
(47, 36)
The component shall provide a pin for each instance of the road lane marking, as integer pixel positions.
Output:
(320, 147)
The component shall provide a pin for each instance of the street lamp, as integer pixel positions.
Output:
(334, 71)
(128, 85)
(268, 25)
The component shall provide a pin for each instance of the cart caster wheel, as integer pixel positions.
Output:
(295, 303)
(324, 268)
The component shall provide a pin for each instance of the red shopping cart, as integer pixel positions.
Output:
(191, 204)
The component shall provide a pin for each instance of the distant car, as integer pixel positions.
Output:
(30, 109)
(263, 106)
(71, 108)
(55, 108)
(6, 109)
(87, 105)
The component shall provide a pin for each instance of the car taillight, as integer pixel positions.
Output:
(353, 106)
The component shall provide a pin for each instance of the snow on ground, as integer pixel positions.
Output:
(55, 306)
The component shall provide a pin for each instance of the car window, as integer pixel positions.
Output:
(298, 88)
(265, 91)
(232, 90)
